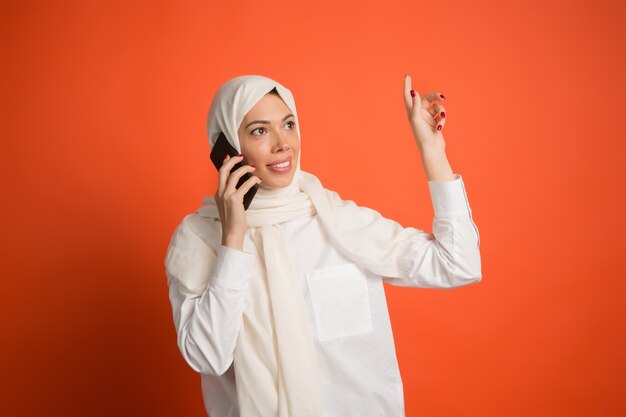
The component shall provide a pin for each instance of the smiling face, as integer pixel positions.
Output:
(267, 136)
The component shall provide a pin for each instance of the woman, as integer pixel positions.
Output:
(281, 307)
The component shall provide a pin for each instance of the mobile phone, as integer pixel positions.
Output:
(222, 147)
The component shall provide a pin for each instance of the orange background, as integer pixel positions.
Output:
(104, 150)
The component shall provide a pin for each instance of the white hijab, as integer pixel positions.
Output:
(275, 360)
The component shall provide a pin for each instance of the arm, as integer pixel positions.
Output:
(450, 256)
(207, 322)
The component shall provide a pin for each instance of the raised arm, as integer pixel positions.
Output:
(450, 256)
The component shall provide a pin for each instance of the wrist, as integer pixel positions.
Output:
(436, 164)
(234, 241)
(432, 150)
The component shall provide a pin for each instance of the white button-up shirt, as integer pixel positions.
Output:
(348, 313)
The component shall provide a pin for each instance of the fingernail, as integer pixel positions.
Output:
(412, 93)
(240, 154)
(252, 166)
(225, 155)
(438, 127)
(443, 114)
(442, 96)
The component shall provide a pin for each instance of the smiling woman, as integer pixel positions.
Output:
(281, 307)
(273, 146)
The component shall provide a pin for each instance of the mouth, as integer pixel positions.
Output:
(282, 165)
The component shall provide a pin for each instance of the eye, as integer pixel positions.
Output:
(293, 124)
(258, 128)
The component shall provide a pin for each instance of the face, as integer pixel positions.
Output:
(268, 136)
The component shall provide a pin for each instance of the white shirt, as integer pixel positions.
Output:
(347, 313)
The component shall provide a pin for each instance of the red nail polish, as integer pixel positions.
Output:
(252, 166)
(225, 155)
(438, 127)
(412, 93)
(442, 96)
(443, 114)
(240, 154)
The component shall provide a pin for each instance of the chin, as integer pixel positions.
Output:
(275, 184)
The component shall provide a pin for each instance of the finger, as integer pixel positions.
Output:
(230, 161)
(430, 98)
(233, 178)
(437, 111)
(409, 99)
(247, 184)
(440, 123)
(224, 170)
(221, 180)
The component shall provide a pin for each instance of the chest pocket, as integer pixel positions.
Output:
(341, 302)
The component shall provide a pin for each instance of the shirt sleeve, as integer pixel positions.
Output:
(207, 323)
(450, 256)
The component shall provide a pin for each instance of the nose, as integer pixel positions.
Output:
(280, 143)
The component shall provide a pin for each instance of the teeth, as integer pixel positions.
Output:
(284, 164)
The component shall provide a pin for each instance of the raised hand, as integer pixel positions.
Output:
(426, 116)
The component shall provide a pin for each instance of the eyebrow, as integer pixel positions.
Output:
(267, 121)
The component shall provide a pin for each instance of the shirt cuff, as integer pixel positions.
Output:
(233, 268)
(449, 198)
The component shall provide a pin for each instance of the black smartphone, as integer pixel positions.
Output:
(222, 147)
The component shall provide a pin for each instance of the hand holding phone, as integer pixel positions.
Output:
(222, 147)
(231, 200)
